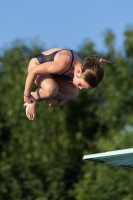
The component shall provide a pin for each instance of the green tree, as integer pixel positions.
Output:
(42, 159)
(113, 131)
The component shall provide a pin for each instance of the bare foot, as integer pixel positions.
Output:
(30, 110)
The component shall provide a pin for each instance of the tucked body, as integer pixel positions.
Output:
(59, 75)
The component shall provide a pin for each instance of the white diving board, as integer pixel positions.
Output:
(120, 158)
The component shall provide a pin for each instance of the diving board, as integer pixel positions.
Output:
(120, 158)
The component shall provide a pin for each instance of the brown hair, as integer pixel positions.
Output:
(92, 70)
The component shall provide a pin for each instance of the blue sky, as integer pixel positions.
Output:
(64, 23)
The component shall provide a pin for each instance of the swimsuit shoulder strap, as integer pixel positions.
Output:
(71, 62)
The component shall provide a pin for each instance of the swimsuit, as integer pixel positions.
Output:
(47, 58)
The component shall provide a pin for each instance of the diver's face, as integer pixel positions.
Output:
(80, 83)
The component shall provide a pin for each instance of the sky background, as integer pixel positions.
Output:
(64, 23)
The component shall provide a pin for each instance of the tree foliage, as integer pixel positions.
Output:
(42, 159)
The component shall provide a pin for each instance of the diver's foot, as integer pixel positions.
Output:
(30, 110)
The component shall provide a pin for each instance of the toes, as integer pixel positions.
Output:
(29, 116)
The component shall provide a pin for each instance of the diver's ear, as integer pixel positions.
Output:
(78, 72)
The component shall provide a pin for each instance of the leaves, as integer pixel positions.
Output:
(42, 159)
